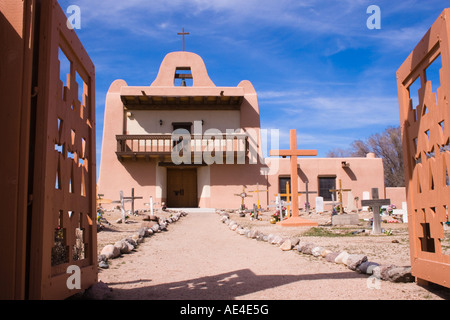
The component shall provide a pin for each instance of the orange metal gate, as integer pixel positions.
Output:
(425, 124)
(50, 171)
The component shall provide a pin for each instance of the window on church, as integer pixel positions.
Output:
(181, 125)
(183, 77)
(282, 186)
(325, 184)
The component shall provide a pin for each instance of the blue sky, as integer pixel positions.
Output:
(315, 65)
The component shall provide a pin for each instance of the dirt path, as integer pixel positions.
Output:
(201, 258)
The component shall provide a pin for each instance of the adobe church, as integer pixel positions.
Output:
(188, 143)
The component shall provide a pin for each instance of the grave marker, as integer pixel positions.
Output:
(287, 195)
(279, 205)
(319, 205)
(376, 203)
(132, 198)
(340, 191)
(401, 212)
(122, 205)
(277, 202)
(333, 204)
(101, 200)
(243, 195)
(151, 204)
(293, 153)
(307, 192)
(256, 211)
(405, 212)
(257, 194)
(366, 196)
(351, 202)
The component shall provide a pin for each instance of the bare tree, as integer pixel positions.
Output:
(387, 146)
(339, 153)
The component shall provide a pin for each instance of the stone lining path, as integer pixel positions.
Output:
(199, 258)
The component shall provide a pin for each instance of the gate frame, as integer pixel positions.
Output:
(47, 281)
(426, 266)
(17, 29)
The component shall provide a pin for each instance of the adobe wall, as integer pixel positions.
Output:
(228, 180)
(115, 175)
(363, 174)
(148, 121)
(397, 195)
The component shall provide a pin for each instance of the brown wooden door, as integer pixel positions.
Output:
(182, 188)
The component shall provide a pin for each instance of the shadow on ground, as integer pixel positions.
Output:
(225, 286)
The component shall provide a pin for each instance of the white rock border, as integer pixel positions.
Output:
(355, 262)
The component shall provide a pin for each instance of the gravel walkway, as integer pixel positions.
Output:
(200, 258)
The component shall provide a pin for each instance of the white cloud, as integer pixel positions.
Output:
(335, 113)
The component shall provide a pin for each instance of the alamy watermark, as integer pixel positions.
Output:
(374, 21)
(374, 281)
(74, 20)
(74, 280)
(213, 146)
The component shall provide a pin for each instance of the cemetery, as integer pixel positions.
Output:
(382, 256)
(187, 204)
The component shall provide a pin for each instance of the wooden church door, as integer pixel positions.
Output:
(182, 188)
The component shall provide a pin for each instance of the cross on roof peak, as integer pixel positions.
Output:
(183, 34)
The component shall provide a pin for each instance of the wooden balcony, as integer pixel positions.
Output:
(136, 147)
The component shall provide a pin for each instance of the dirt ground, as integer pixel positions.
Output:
(199, 257)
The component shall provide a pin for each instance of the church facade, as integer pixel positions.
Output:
(189, 143)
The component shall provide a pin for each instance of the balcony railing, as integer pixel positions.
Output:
(145, 146)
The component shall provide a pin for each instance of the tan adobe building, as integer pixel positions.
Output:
(220, 152)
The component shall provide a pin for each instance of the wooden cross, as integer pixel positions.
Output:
(332, 203)
(340, 191)
(183, 34)
(277, 202)
(279, 205)
(287, 195)
(243, 195)
(132, 198)
(257, 194)
(122, 205)
(256, 212)
(293, 153)
(376, 204)
(307, 192)
(151, 203)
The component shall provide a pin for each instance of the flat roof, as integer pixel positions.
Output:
(180, 98)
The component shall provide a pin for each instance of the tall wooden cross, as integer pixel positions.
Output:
(307, 192)
(183, 34)
(257, 194)
(340, 191)
(376, 204)
(293, 153)
(243, 195)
